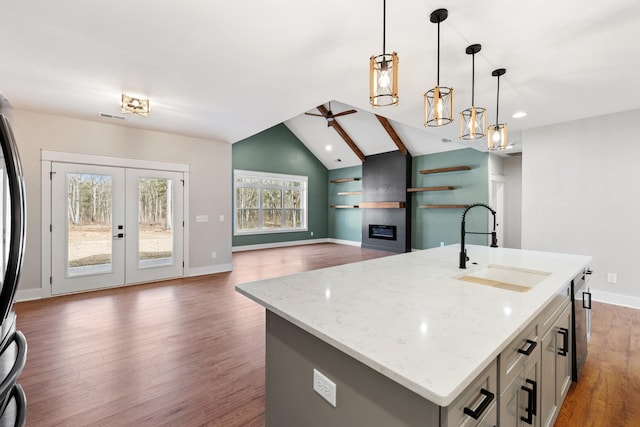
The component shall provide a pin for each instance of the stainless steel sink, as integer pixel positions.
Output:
(500, 276)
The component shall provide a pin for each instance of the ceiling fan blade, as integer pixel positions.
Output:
(344, 113)
(313, 114)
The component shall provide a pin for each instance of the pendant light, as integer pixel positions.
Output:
(473, 120)
(438, 102)
(497, 134)
(383, 72)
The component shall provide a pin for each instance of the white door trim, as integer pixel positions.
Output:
(91, 159)
(47, 157)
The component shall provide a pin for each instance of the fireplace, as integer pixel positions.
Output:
(386, 209)
(384, 232)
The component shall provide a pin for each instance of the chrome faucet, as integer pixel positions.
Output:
(494, 240)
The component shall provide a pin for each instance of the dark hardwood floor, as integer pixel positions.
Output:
(190, 352)
(186, 352)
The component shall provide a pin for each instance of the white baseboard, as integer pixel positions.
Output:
(38, 293)
(278, 245)
(615, 299)
(28, 294)
(210, 269)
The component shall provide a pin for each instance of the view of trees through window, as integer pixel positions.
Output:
(155, 219)
(266, 203)
(89, 208)
(89, 219)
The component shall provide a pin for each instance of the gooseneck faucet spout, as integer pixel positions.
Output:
(494, 239)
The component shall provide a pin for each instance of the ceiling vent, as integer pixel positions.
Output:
(111, 116)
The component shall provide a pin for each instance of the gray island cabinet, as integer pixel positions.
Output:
(411, 340)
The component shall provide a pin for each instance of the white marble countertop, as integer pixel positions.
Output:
(407, 317)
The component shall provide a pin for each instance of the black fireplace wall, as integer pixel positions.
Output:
(385, 178)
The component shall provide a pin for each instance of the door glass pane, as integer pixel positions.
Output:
(155, 222)
(88, 224)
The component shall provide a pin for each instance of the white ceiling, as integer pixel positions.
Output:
(228, 70)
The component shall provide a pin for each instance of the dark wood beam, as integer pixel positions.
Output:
(392, 134)
(323, 110)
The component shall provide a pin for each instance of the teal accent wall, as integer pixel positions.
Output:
(345, 224)
(432, 226)
(277, 150)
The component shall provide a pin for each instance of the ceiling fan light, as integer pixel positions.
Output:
(383, 80)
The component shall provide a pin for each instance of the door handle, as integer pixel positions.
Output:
(118, 236)
(584, 300)
(531, 408)
(565, 342)
(530, 346)
(486, 400)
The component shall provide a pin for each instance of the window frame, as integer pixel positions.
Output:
(267, 176)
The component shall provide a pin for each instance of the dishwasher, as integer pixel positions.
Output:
(581, 319)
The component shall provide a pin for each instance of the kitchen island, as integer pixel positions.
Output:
(403, 338)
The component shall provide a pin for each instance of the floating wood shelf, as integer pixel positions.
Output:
(343, 206)
(349, 193)
(384, 205)
(443, 206)
(335, 181)
(441, 188)
(450, 169)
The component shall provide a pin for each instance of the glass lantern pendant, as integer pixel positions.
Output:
(438, 102)
(383, 73)
(473, 120)
(497, 133)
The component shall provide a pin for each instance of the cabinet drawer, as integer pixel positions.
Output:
(516, 354)
(480, 397)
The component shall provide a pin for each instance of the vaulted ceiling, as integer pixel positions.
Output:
(228, 70)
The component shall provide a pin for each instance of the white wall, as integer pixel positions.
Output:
(512, 202)
(210, 180)
(580, 195)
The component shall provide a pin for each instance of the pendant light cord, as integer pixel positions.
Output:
(497, 101)
(384, 26)
(473, 79)
(438, 80)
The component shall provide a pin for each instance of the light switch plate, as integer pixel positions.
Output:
(202, 218)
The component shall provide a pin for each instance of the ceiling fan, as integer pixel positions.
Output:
(327, 114)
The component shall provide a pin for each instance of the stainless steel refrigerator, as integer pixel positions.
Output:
(13, 345)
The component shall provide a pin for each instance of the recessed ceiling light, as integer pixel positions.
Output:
(328, 148)
(519, 115)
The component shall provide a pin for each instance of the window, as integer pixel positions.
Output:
(269, 203)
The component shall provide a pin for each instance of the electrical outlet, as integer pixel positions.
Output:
(213, 255)
(312, 234)
(324, 387)
(612, 277)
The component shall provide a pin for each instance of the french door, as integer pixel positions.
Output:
(113, 226)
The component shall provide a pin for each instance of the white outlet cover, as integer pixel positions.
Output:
(202, 218)
(324, 387)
